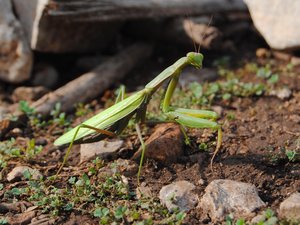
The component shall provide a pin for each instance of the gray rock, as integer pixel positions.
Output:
(277, 22)
(178, 195)
(18, 173)
(290, 208)
(102, 149)
(60, 35)
(16, 56)
(223, 197)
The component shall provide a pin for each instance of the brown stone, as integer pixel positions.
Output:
(164, 145)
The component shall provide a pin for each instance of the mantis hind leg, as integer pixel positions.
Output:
(138, 130)
(108, 133)
(120, 97)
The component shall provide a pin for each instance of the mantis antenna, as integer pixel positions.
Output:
(203, 34)
(192, 33)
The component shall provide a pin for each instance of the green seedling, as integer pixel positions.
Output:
(25, 108)
(112, 121)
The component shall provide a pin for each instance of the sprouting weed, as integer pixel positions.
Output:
(82, 109)
(58, 116)
(291, 155)
(25, 108)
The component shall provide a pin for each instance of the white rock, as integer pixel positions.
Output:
(18, 173)
(102, 149)
(223, 197)
(277, 21)
(290, 208)
(178, 195)
(283, 93)
(16, 57)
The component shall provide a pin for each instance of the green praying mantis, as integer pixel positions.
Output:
(113, 120)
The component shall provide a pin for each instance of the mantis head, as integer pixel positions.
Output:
(195, 59)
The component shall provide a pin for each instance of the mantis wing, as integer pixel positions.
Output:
(104, 119)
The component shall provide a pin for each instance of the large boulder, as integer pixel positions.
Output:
(277, 21)
(16, 56)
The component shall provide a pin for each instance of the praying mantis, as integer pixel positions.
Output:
(113, 120)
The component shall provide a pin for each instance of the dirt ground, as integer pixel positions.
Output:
(258, 132)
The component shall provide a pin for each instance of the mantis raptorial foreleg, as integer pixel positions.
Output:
(186, 137)
(198, 119)
(191, 117)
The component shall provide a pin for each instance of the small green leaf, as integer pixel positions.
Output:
(3, 221)
(273, 79)
(226, 96)
(105, 211)
(229, 219)
(16, 191)
(203, 147)
(269, 213)
(264, 72)
(72, 180)
(25, 108)
(69, 206)
(196, 89)
(180, 216)
(212, 89)
(86, 179)
(101, 212)
(291, 155)
(120, 211)
(271, 221)
(240, 222)
(27, 175)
